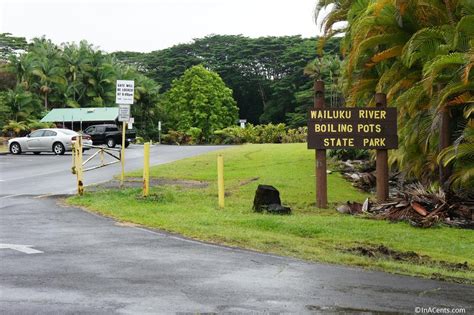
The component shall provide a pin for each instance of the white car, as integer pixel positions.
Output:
(54, 140)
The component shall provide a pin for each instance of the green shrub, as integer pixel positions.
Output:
(14, 128)
(175, 137)
(295, 135)
(269, 133)
(139, 140)
(35, 125)
(195, 135)
(349, 154)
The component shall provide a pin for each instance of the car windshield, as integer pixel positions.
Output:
(68, 132)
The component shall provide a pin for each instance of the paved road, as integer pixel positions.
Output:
(83, 263)
(48, 173)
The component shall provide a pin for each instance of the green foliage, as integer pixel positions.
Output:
(176, 137)
(13, 128)
(419, 53)
(10, 45)
(269, 133)
(35, 124)
(349, 154)
(48, 76)
(200, 99)
(265, 74)
(5, 110)
(23, 104)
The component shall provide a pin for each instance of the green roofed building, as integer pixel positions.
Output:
(81, 118)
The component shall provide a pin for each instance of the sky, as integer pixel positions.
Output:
(147, 25)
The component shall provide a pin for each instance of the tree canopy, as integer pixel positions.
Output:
(266, 74)
(42, 75)
(420, 54)
(199, 99)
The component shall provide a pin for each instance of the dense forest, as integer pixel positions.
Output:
(266, 75)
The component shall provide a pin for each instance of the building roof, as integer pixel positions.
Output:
(81, 114)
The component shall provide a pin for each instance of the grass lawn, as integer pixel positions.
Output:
(309, 233)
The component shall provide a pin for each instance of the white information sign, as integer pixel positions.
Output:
(131, 121)
(124, 92)
(124, 113)
(159, 125)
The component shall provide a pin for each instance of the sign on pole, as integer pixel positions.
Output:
(352, 128)
(124, 113)
(124, 97)
(124, 92)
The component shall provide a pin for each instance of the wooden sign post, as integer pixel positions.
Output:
(321, 172)
(351, 128)
(381, 166)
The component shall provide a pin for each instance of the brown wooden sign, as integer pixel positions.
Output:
(352, 128)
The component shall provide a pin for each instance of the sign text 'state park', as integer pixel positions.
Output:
(356, 128)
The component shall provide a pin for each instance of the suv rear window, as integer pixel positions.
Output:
(111, 129)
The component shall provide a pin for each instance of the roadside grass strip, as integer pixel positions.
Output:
(320, 235)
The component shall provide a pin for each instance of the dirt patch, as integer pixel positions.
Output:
(137, 182)
(383, 252)
(248, 181)
(126, 224)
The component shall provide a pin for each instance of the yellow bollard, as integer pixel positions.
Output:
(220, 179)
(80, 183)
(146, 169)
(122, 155)
(102, 157)
(73, 167)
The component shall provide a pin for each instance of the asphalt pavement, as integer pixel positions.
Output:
(47, 173)
(56, 259)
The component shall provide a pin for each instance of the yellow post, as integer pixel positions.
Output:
(80, 183)
(102, 157)
(122, 155)
(146, 169)
(73, 168)
(220, 179)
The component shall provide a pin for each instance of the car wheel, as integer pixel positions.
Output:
(36, 153)
(15, 148)
(58, 148)
(111, 142)
(127, 143)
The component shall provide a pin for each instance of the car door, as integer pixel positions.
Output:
(33, 142)
(100, 133)
(47, 139)
(92, 131)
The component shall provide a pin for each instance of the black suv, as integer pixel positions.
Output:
(110, 135)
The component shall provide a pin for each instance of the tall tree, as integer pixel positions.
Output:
(264, 73)
(11, 46)
(200, 99)
(420, 54)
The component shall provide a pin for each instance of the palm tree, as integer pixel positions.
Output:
(21, 103)
(420, 54)
(49, 73)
